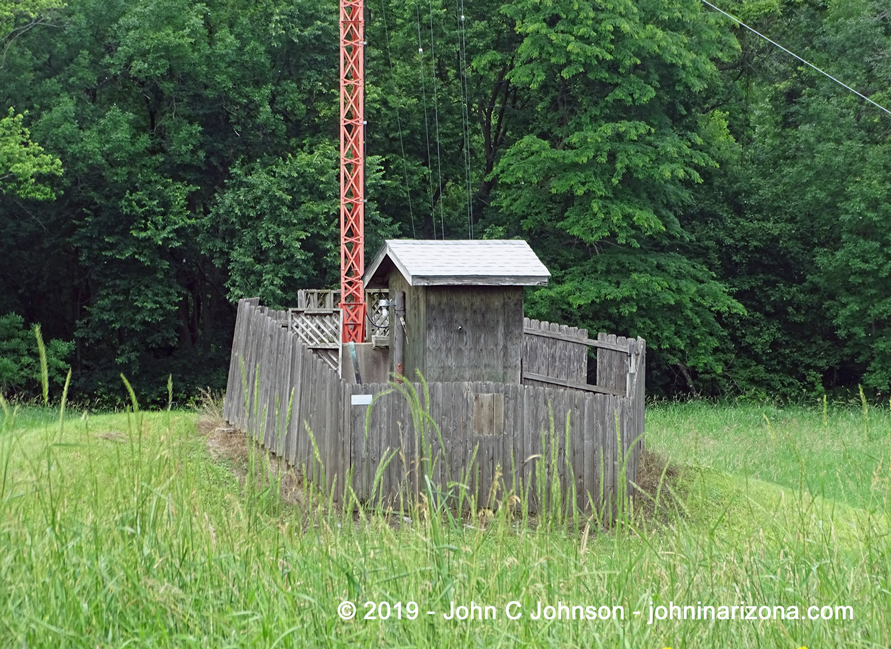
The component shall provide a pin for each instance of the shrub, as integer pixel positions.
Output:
(20, 360)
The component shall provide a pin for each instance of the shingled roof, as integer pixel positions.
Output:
(457, 263)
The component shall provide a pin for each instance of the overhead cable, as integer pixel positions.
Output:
(426, 124)
(825, 74)
(411, 212)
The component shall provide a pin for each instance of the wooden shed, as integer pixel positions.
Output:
(456, 307)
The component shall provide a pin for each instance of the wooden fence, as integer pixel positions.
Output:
(544, 354)
(493, 438)
(558, 355)
(279, 390)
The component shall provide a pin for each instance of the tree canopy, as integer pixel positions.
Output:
(682, 179)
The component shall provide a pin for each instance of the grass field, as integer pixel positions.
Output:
(152, 530)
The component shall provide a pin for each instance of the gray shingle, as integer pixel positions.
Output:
(442, 263)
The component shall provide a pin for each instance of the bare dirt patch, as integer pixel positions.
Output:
(113, 436)
(228, 444)
(658, 483)
(244, 457)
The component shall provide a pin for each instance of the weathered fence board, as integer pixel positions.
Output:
(591, 452)
(494, 438)
(256, 343)
(612, 365)
(577, 449)
(236, 353)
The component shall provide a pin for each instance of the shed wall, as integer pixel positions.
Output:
(415, 325)
(474, 333)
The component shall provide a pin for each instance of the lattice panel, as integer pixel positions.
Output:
(320, 331)
(379, 315)
(317, 299)
(331, 357)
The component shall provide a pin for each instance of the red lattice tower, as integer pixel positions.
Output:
(352, 168)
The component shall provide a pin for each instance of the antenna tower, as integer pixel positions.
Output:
(352, 168)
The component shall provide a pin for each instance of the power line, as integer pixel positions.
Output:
(399, 124)
(436, 118)
(462, 61)
(426, 124)
(825, 74)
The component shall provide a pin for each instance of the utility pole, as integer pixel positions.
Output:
(352, 168)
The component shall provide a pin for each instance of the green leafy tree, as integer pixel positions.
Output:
(153, 106)
(619, 134)
(272, 225)
(20, 16)
(795, 222)
(682, 179)
(23, 162)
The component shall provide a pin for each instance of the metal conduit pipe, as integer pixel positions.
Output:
(399, 334)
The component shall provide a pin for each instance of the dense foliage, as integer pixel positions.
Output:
(20, 364)
(682, 179)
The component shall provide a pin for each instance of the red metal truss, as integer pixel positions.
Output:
(352, 168)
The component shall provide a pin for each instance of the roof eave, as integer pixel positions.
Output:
(383, 254)
(386, 253)
(481, 280)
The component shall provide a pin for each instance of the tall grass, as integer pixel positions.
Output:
(122, 530)
(458, 494)
(841, 462)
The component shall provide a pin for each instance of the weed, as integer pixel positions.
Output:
(156, 541)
